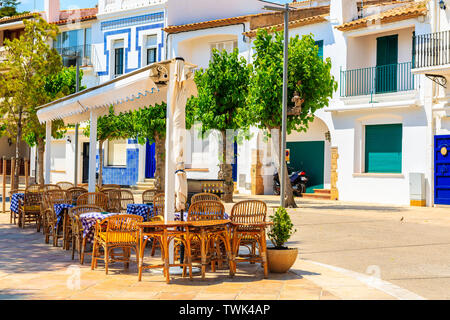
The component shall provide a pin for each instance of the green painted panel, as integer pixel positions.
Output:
(383, 148)
(320, 45)
(387, 59)
(309, 157)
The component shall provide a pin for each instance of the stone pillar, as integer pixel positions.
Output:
(256, 173)
(334, 194)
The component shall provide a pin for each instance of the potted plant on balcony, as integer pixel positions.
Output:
(281, 258)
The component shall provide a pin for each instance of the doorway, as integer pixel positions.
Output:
(85, 161)
(387, 59)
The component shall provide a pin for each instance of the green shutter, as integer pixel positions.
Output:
(383, 148)
(387, 59)
(320, 45)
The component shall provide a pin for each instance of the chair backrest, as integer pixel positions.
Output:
(204, 196)
(121, 226)
(158, 204)
(74, 193)
(33, 188)
(249, 211)
(55, 196)
(32, 198)
(48, 187)
(96, 198)
(149, 195)
(65, 185)
(126, 197)
(206, 210)
(113, 199)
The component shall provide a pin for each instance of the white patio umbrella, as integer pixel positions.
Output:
(184, 87)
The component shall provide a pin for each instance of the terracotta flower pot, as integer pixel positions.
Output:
(281, 260)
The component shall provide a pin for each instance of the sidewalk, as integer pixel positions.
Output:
(31, 269)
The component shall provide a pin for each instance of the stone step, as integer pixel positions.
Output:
(316, 196)
(322, 191)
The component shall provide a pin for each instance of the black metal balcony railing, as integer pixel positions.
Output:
(69, 55)
(432, 49)
(374, 80)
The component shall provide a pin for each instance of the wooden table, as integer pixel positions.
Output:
(164, 232)
(215, 230)
(258, 229)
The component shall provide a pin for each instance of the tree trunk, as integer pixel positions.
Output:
(40, 166)
(226, 171)
(100, 162)
(160, 170)
(18, 138)
(289, 195)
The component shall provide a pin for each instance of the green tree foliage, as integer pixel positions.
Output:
(111, 127)
(222, 91)
(308, 74)
(28, 64)
(150, 124)
(8, 8)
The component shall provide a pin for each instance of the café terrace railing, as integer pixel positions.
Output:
(375, 80)
(431, 49)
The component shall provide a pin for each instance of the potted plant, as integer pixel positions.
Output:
(281, 258)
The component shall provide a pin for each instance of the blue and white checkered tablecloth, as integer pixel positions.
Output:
(14, 205)
(59, 210)
(140, 209)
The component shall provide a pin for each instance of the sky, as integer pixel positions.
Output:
(29, 5)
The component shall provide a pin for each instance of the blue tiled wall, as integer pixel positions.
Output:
(123, 175)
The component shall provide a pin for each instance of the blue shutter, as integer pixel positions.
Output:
(383, 148)
(320, 45)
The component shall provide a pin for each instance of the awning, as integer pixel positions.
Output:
(144, 87)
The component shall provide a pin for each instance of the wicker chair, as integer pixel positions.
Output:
(51, 229)
(204, 196)
(13, 215)
(204, 211)
(158, 204)
(78, 241)
(47, 187)
(64, 185)
(249, 212)
(34, 188)
(96, 198)
(149, 195)
(30, 208)
(126, 198)
(74, 193)
(121, 231)
(113, 199)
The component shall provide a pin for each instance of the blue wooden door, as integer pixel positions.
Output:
(150, 163)
(442, 169)
(234, 165)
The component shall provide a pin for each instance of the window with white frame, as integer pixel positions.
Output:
(117, 152)
(118, 57)
(151, 46)
(229, 46)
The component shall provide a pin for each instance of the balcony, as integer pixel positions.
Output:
(389, 78)
(431, 51)
(69, 55)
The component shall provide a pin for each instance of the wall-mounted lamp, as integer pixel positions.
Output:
(328, 136)
(9, 142)
(68, 139)
(442, 5)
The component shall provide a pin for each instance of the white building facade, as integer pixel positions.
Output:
(387, 122)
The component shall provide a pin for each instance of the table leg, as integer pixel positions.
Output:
(203, 251)
(263, 249)
(141, 254)
(165, 244)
